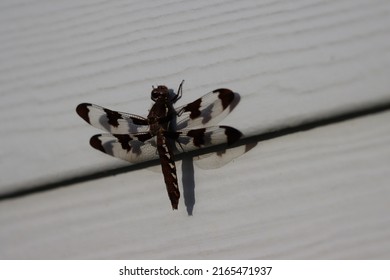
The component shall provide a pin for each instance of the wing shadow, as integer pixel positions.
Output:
(211, 158)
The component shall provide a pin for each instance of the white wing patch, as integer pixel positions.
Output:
(112, 121)
(192, 139)
(207, 110)
(126, 147)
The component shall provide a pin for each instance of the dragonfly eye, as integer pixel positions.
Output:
(155, 94)
(159, 92)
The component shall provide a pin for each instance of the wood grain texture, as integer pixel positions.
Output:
(320, 194)
(289, 61)
(317, 194)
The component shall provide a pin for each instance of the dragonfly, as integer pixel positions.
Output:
(165, 131)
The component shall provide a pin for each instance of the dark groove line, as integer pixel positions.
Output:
(252, 139)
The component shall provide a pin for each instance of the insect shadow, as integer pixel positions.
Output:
(207, 158)
(210, 160)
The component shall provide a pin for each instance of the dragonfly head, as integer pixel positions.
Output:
(159, 92)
